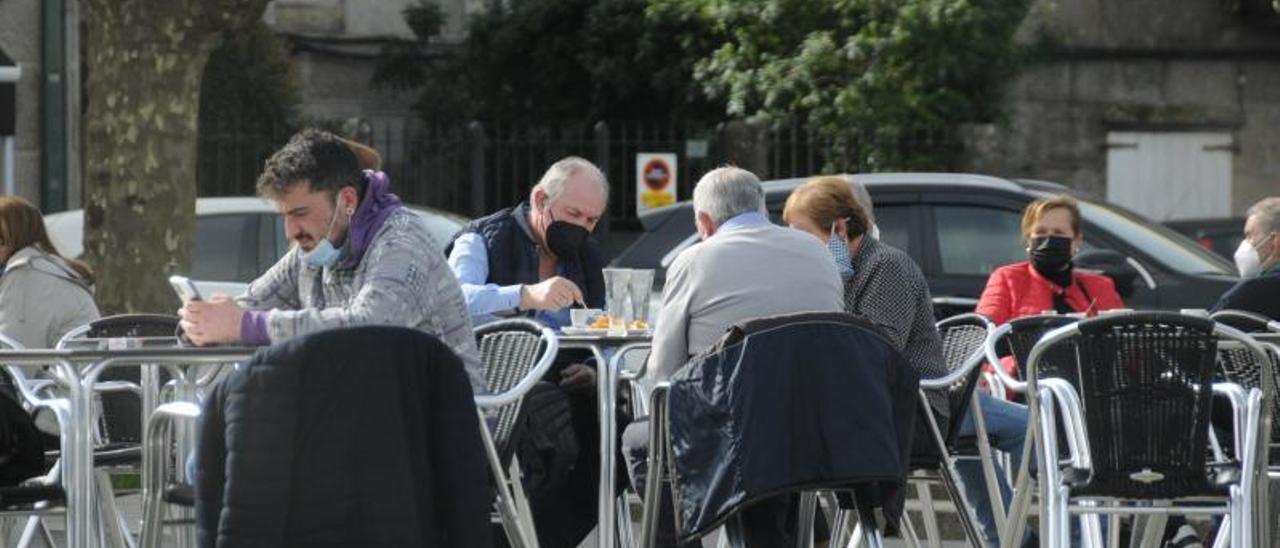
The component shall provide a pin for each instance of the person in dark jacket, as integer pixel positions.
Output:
(745, 268)
(363, 436)
(538, 259)
(1258, 260)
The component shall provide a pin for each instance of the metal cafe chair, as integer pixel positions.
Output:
(516, 353)
(1138, 427)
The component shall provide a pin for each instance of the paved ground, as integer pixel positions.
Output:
(131, 505)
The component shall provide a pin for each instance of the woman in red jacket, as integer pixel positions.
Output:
(1047, 281)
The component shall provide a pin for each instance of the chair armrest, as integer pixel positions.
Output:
(117, 386)
(1068, 402)
(159, 432)
(513, 394)
(993, 357)
(973, 360)
(949, 379)
(1239, 399)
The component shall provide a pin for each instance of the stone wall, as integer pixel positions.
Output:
(1145, 65)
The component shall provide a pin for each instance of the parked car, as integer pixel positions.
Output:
(1221, 236)
(959, 227)
(237, 238)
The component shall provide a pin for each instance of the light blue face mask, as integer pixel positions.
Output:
(839, 249)
(325, 254)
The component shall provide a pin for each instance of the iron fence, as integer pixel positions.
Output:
(476, 168)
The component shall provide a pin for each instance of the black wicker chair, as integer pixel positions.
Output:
(1144, 389)
(516, 353)
(964, 339)
(1015, 340)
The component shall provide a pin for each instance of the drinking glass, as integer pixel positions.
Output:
(616, 285)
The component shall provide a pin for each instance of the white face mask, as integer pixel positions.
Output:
(1248, 261)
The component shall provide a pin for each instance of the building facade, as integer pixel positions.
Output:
(1168, 107)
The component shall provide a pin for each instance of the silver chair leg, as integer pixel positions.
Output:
(804, 521)
(524, 512)
(656, 466)
(1023, 491)
(113, 531)
(32, 526)
(930, 518)
(518, 533)
(626, 533)
(870, 527)
(1153, 531)
(988, 467)
(1224, 534)
(839, 529)
(964, 509)
(909, 531)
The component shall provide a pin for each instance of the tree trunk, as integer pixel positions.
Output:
(144, 61)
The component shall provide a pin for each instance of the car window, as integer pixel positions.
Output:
(1163, 244)
(895, 222)
(226, 248)
(975, 240)
(442, 228)
(271, 246)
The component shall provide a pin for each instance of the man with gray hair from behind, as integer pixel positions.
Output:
(1258, 259)
(745, 267)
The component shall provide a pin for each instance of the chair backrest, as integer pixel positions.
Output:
(1243, 320)
(121, 412)
(509, 350)
(964, 337)
(1243, 367)
(1023, 334)
(803, 401)
(1145, 382)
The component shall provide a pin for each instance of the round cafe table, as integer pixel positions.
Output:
(608, 351)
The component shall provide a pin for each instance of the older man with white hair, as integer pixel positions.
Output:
(745, 267)
(1258, 259)
(535, 259)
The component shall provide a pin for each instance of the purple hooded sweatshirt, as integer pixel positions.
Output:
(378, 204)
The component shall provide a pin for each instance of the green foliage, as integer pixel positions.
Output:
(873, 78)
(249, 105)
(552, 62)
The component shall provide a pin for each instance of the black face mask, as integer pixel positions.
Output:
(1051, 257)
(564, 239)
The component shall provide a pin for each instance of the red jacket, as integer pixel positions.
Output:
(1017, 290)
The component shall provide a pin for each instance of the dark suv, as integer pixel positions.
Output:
(960, 227)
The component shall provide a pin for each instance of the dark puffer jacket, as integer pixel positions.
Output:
(786, 403)
(366, 436)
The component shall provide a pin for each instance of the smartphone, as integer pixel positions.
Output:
(184, 288)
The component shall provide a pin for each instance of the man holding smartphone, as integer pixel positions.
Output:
(359, 258)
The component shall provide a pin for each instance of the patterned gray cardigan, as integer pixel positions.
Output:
(888, 289)
(402, 279)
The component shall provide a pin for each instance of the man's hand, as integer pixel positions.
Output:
(551, 294)
(215, 321)
(577, 374)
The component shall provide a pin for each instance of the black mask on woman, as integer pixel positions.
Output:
(1051, 257)
(564, 239)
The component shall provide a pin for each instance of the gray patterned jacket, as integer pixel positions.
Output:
(402, 280)
(888, 289)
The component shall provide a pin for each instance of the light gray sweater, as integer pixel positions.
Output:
(402, 280)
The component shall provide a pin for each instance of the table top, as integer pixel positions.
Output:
(164, 353)
(605, 339)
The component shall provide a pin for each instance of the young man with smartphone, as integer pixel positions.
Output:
(359, 257)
